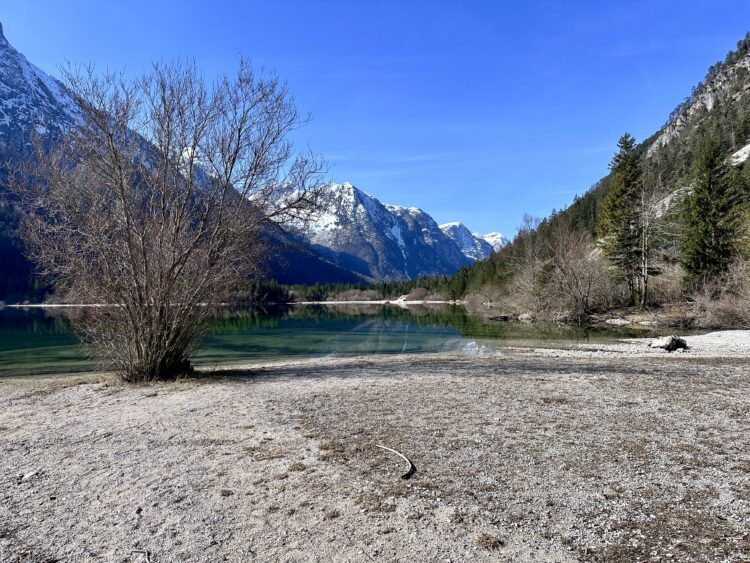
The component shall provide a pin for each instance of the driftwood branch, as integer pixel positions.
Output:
(669, 343)
(143, 552)
(412, 467)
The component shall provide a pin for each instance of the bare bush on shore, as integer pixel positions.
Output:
(725, 302)
(418, 294)
(667, 287)
(154, 204)
(557, 272)
(579, 279)
(530, 264)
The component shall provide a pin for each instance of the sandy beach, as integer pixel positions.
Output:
(520, 457)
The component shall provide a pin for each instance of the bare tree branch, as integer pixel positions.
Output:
(155, 203)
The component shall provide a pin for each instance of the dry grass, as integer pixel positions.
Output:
(489, 542)
(331, 513)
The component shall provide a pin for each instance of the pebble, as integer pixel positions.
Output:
(28, 476)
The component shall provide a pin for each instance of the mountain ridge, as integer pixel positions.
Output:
(472, 246)
(411, 244)
(391, 242)
(30, 100)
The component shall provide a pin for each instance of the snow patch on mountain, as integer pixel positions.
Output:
(30, 100)
(496, 240)
(740, 156)
(395, 231)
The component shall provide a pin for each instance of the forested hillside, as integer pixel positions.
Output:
(646, 234)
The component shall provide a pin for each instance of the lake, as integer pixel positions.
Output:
(40, 341)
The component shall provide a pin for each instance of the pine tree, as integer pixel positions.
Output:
(710, 233)
(618, 221)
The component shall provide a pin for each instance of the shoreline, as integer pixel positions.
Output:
(716, 345)
(400, 302)
(292, 303)
(616, 318)
(658, 319)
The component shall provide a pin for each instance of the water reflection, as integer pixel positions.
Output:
(40, 340)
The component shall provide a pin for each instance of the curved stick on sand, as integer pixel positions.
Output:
(412, 467)
(145, 553)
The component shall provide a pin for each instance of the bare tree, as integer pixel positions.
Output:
(154, 204)
(647, 218)
(579, 277)
(656, 224)
(530, 261)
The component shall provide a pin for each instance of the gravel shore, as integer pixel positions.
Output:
(719, 344)
(519, 458)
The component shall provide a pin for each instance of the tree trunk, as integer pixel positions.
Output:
(644, 270)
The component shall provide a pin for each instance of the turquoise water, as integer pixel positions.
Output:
(36, 341)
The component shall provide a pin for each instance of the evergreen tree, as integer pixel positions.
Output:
(618, 221)
(710, 233)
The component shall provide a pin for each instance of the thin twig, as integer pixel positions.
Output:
(412, 467)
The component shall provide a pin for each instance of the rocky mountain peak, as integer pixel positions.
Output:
(387, 241)
(497, 240)
(30, 100)
(724, 83)
(471, 245)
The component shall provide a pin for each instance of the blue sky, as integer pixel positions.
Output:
(474, 111)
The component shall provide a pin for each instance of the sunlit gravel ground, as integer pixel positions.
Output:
(519, 458)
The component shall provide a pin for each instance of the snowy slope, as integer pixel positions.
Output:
(495, 239)
(389, 241)
(740, 156)
(382, 241)
(30, 100)
(472, 246)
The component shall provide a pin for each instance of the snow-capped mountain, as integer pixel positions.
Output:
(474, 247)
(388, 241)
(495, 239)
(30, 100)
(34, 103)
(380, 241)
(31, 103)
